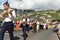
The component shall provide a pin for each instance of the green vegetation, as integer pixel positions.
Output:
(54, 14)
(47, 14)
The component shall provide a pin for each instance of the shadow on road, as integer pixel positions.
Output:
(16, 38)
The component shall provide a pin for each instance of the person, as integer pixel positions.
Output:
(30, 25)
(37, 26)
(17, 28)
(27, 20)
(24, 26)
(41, 27)
(55, 29)
(58, 27)
(34, 25)
(8, 16)
(46, 26)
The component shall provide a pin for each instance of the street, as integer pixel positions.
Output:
(44, 35)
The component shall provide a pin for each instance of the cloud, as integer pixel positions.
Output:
(35, 4)
(24, 4)
(46, 4)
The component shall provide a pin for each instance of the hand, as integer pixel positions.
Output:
(4, 13)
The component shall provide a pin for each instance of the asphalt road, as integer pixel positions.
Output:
(44, 35)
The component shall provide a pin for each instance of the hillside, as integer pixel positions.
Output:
(54, 14)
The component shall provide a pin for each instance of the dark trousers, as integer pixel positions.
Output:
(34, 29)
(46, 27)
(7, 26)
(24, 34)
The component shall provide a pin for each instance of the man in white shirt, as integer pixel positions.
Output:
(8, 21)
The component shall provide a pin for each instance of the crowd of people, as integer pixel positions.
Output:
(25, 24)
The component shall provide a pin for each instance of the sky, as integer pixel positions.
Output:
(32, 4)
